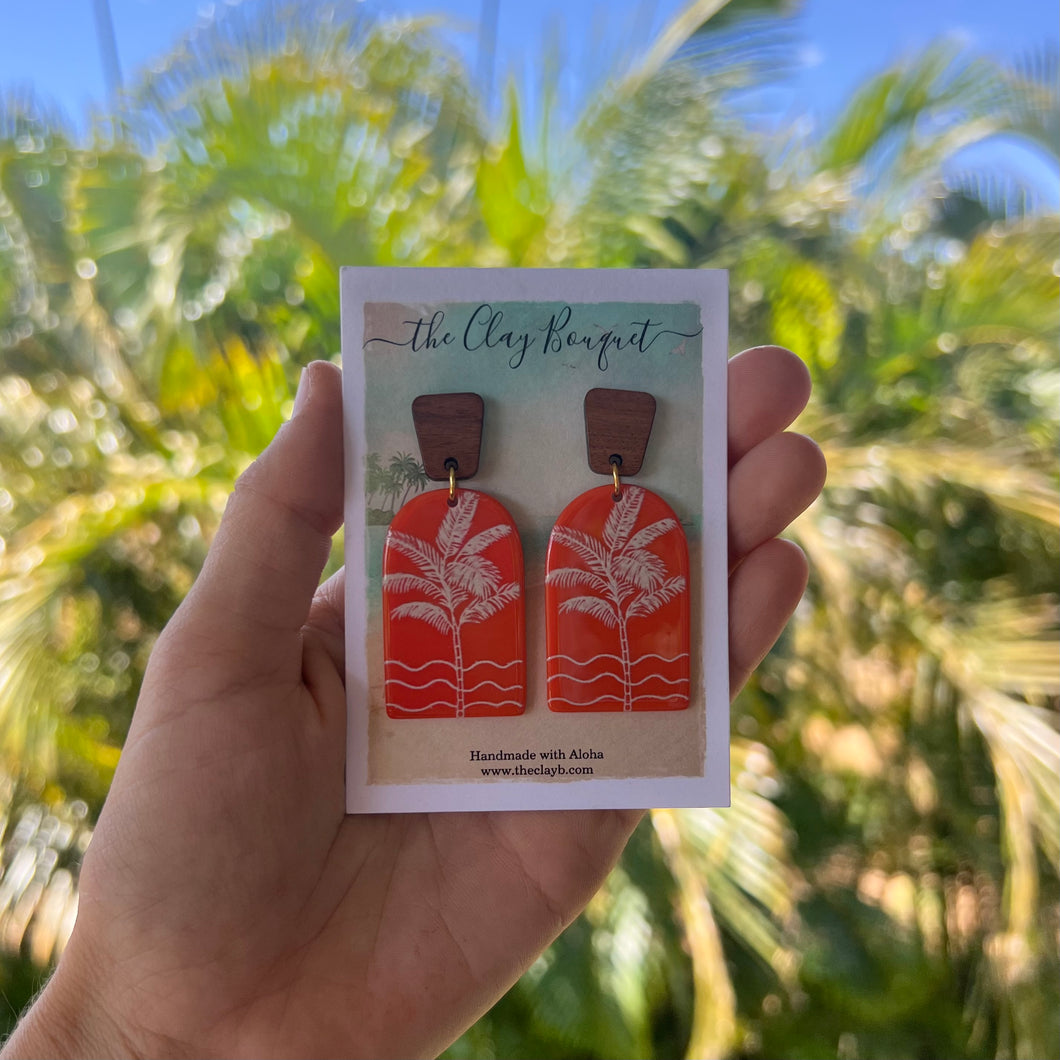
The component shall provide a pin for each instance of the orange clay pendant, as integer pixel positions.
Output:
(617, 582)
(453, 626)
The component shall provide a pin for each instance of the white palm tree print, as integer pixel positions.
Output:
(626, 578)
(455, 584)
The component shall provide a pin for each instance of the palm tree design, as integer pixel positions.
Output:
(628, 580)
(374, 478)
(408, 472)
(403, 475)
(456, 584)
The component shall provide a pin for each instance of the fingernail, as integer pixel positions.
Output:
(301, 397)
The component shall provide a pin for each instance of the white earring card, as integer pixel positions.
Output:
(453, 702)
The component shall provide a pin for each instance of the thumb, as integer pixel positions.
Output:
(256, 586)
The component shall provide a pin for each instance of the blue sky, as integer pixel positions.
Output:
(52, 46)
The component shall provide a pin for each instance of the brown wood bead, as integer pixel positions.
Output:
(448, 427)
(617, 423)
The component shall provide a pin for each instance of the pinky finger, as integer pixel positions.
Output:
(763, 593)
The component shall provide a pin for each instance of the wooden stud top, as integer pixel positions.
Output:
(448, 427)
(617, 423)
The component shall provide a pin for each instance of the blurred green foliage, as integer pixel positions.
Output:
(885, 884)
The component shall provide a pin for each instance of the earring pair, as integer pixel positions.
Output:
(616, 580)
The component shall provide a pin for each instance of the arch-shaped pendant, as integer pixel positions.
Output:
(617, 604)
(453, 609)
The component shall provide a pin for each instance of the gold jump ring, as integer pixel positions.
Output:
(614, 475)
(452, 483)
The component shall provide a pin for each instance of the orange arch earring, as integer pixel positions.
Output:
(453, 623)
(617, 578)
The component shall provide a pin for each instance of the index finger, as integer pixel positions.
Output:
(768, 388)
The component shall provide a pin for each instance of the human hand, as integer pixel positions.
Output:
(228, 906)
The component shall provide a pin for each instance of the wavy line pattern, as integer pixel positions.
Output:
(618, 678)
(617, 658)
(586, 684)
(452, 685)
(581, 704)
(452, 665)
(585, 680)
(587, 702)
(500, 688)
(452, 706)
(426, 684)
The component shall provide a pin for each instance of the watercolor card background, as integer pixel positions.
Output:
(531, 343)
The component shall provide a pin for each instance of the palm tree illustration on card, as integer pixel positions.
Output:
(617, 602)
(454, 639)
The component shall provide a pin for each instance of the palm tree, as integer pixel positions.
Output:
(408, 471)
(628, 580)
(373, 477)
(456, 584)
(416, 479)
